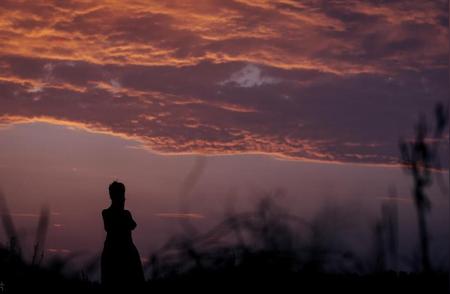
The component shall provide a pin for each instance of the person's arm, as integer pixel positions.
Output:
(106, 222)
(131, 221)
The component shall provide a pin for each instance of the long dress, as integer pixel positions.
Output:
(121, 266)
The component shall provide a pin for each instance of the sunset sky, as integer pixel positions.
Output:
(308, 96)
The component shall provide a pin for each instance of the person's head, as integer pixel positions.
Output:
(117, 193)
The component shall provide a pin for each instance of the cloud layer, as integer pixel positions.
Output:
(318, 80)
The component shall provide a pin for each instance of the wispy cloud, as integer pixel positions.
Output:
(180, 215)
(250, 76)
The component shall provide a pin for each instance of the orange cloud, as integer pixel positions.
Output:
(284, 34)
(297, 80)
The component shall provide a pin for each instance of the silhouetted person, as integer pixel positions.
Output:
(121, 266)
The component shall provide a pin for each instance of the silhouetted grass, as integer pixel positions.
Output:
(264, 249)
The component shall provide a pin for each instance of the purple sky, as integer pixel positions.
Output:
(308, 96)
(69, 170)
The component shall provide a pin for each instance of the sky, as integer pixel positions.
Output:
(274, 94)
